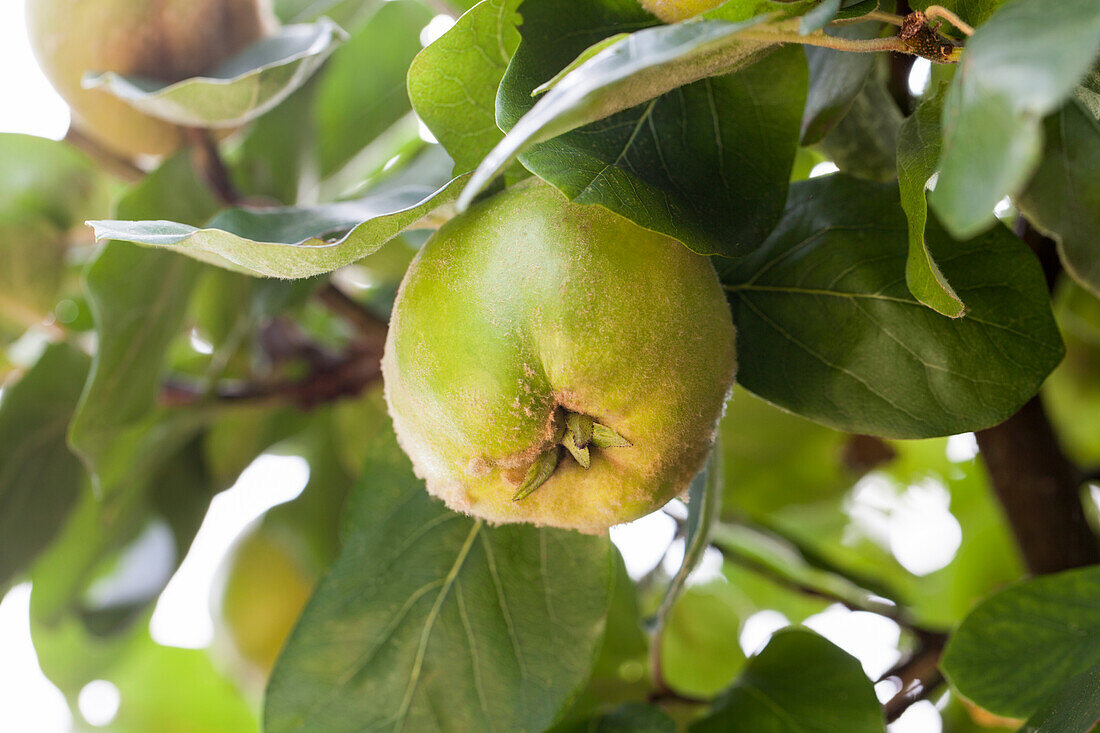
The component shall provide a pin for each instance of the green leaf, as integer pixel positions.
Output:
(277, 150)
(828, 329)
(819, 16)
(704, 507)
(707, 164)
(362, 90)
(1019, 66)
(1026, 642)
(630, 718)
(39, 477)
(642, 66)
(1063, 198)
(48, 179)
(835, 80)
(619, 674)
(293, 241)
(774, 459)
(800, 683)
(758, 550)
(919, 146)
(428, 611)
(240, 89)
(864, 143)
(138, 299)
(700, 648)
(46, 188)
(453, 82)
(1073, 709)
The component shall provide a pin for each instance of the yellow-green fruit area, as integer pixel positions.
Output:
(528, 308)
(671, 11)
(167, 40)
(265, 590)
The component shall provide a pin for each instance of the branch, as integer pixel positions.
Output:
(1039, 490)
(208, 161)
(358, 368)
(117, 165)
(1033, 479)
(917, 677)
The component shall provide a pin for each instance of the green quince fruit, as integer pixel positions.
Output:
(166, 40)
(555, 363)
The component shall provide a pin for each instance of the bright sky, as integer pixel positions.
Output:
(924, 535)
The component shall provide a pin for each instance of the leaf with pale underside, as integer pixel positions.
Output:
(641, 66)
(453, 82)
(294, 241)
(1063, 198)
(239, 90)
(919, 145)
(1020, 65)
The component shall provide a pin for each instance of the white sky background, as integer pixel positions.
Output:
(30, 704)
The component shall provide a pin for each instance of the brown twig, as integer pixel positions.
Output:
(346, 376)
(1033, 479)
(917, 677)
(117, 165)
(208, 161)
(1040, 491)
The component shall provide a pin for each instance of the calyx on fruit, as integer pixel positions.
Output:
(166, 40)
(672, 11)
(555, 363)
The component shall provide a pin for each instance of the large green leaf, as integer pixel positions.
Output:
(293, 241)
(453, 82)
(1073, 709)
(138, 298)
(828, 329)
(40, 478)
(707, 163)
(700, 649)
(240, 89)
(835, 79)
(1019, 66)
(1023, 644)
(800, 683)
(919, 146)
(427, 613)
(864, 142)
(607, 72)
(362, 91)
(1063, 199)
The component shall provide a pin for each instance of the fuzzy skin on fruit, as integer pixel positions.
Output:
(529, 303)
(672, 11)
(167, 40)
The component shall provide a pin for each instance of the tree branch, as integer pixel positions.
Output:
(1040, 491)
(208, 161)
(917, 677)
(117, 165)
(1038, 486)
(358, 368)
